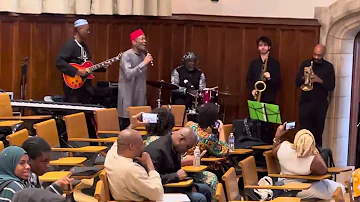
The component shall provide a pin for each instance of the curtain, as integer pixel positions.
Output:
(87, 7)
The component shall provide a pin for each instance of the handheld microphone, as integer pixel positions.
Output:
(151, 62)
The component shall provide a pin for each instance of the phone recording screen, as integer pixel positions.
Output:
(290, 125)
(217, 124)
(149, 118)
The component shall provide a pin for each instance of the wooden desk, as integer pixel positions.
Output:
(336, 170)
(86, 149)
(306, 177)
(53, 176)
(24, 117)
(192, 169)
(212, 159)
(87, 177)
(68, 161)
(105, 140)
(240, 151)
(9, 123)
(286, 199)
(185, 183)
(262, 147)
(290, 186)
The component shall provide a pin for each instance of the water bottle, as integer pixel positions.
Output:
(197, 157)
(231, 142)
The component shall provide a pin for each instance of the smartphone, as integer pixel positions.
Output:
(217, 124)
(149, 118)
(290, 125)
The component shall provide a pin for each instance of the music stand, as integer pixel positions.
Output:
(264, 112)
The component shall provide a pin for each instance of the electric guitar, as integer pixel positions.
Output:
(78, 81)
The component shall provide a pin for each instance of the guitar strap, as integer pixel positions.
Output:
(83, 55)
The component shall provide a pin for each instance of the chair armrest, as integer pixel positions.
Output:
(337, 170)
(290, 186)
(306, 177)
(105, 140)
(212, 159)
(185, 183)
(108, 132)
(86, 149)
(68, 161)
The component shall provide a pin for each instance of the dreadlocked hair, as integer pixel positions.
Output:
(164, 125)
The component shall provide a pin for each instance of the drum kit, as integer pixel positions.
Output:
(206, 95)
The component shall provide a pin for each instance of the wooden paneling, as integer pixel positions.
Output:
(225, 46)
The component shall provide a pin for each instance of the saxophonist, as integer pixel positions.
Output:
(271, 77)
(316, 78)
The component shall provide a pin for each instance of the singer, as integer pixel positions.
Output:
(132, 77)
(189, 79)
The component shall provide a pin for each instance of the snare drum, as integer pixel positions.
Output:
(209, 95)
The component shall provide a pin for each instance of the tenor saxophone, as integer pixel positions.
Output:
(308, 84)
(260, 85)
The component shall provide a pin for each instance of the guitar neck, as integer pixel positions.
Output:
(102, 64)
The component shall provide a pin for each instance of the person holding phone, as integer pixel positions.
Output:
(130, 170)
(303, 158)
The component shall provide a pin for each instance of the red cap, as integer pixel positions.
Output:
(136, 34)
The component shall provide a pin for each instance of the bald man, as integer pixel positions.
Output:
(128, 179)
(166, 154)
(313, 104)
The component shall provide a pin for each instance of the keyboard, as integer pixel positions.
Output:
(55, 105)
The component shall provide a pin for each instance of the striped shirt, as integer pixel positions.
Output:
(7, 193)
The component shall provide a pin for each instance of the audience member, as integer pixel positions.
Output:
(14, 169)
(302, 158)
(37, 195)
(39, 152)
(128, 180)
(166, 154)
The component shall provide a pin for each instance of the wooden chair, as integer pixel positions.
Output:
(228, 128)
(77, 130)
(272, 164)
(179, 113)
(2, 147)
(6, 111)
(107, 121)
(338, 196)
(231, 185)
(102, 194)
(250, 177)
(220, 195)
(18, 138)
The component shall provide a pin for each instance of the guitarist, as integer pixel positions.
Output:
(76, 51)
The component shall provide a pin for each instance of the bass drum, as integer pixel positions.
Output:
(209, 95)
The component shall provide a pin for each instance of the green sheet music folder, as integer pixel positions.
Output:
(264, 112)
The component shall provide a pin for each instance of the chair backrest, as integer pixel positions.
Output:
(107, 119)
(231, 184)
(272, 163)
(338, 195)
(100, 192)
(76, 126)
(227, 130)
(18, 138)
(135, 110)
(48, 131)
(5, 105)
(103, 178)
(220, 195)
(179, 113)
(2, 147)
(249, 172)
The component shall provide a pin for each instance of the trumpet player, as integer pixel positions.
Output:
(316, 78)
(266, 69)
(132, 77)
(271, 76)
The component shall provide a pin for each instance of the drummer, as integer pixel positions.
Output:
(189, 79)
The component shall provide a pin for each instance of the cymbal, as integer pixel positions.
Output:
(162, 84)
(225, 93)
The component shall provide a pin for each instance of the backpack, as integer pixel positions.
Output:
(326, 154)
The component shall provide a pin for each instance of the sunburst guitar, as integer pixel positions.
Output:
(78, 81)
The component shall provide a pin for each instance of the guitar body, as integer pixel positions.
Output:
(78, 81)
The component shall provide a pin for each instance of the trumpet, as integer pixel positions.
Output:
(308, 84)
(260, 85)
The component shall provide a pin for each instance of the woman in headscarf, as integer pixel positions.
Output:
(14, 169)
(303, 158)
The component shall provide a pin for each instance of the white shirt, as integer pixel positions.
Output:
(129, 180)
(290, 163)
